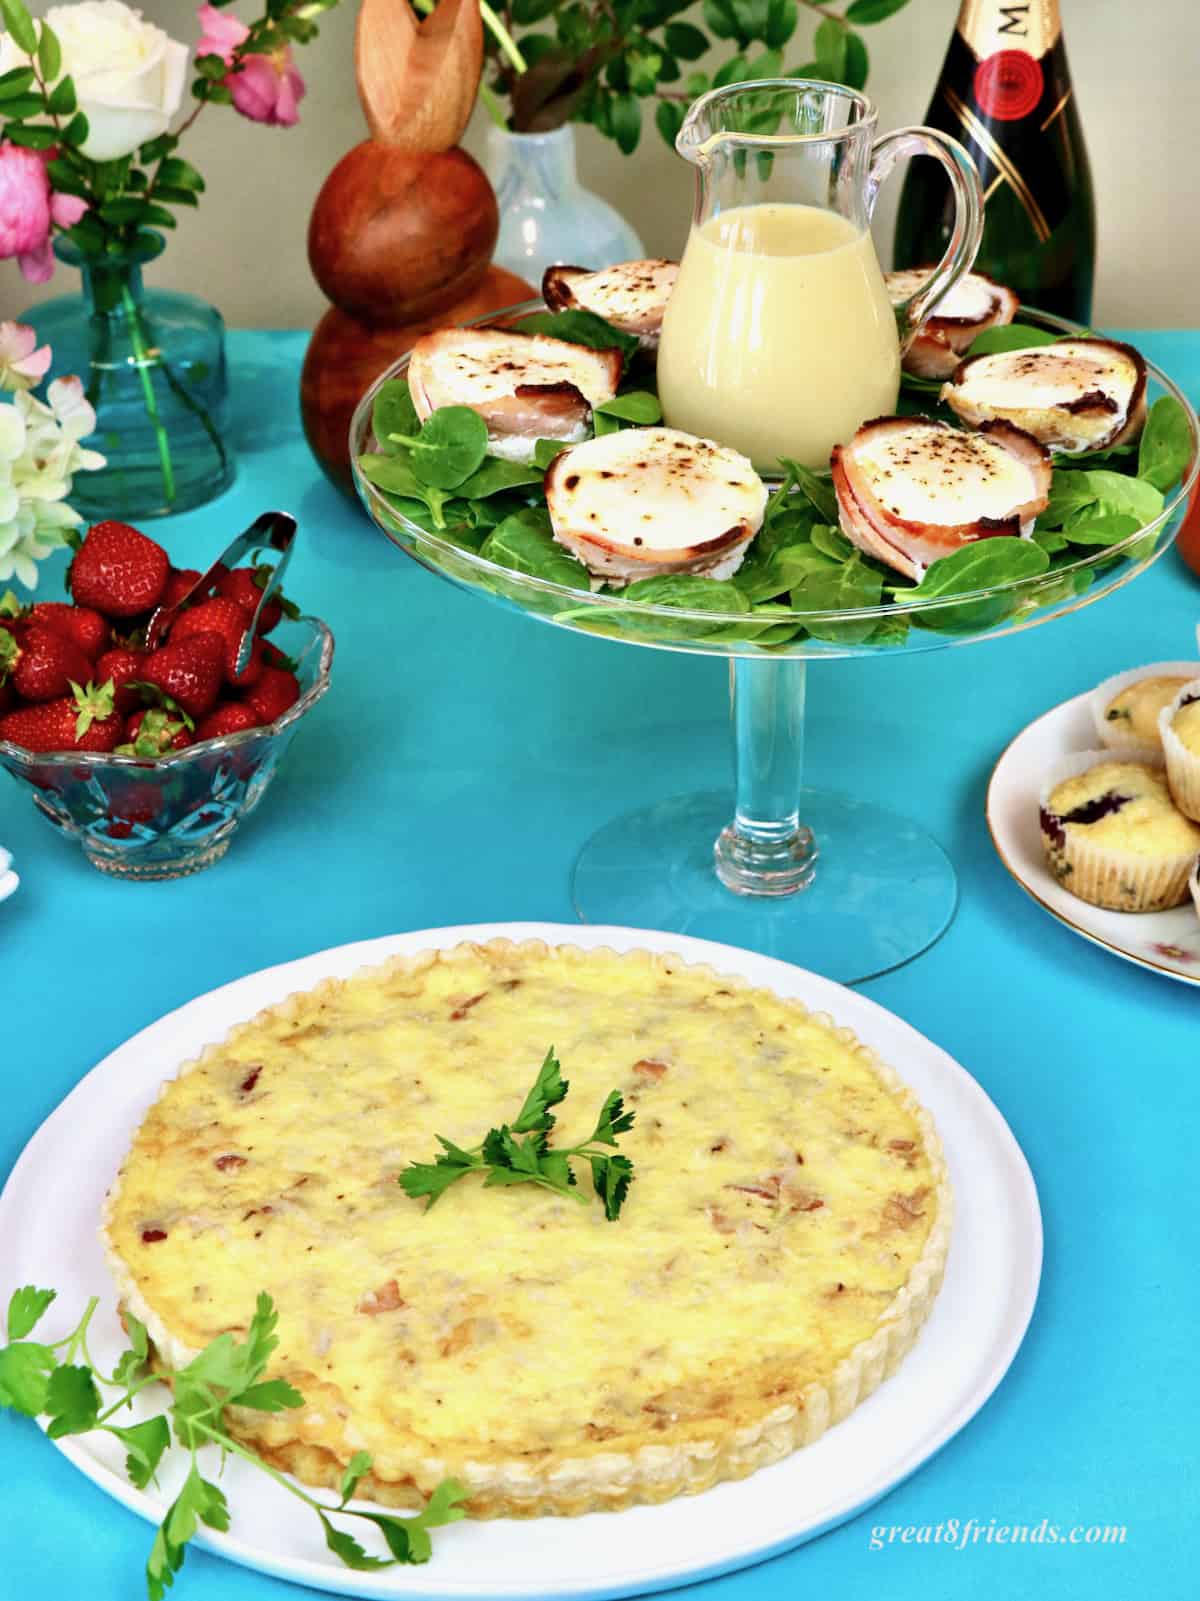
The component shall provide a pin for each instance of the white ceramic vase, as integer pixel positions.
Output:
(546, 215)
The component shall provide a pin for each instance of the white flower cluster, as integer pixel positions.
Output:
(40, 452)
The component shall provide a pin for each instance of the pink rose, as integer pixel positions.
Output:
(27, 209)
(264, 88)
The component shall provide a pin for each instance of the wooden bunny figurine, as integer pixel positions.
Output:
(402, 233)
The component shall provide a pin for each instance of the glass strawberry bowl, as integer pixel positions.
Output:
(164, 818)
(821, 879)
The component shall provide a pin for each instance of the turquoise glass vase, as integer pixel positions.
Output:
(153, 365)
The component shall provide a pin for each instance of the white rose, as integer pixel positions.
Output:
(129, 76)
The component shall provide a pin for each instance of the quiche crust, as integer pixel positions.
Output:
(746, 1392)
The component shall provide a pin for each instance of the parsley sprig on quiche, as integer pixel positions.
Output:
(520, 1152)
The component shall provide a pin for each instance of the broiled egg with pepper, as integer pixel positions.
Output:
(648, 501)
(526, 387)
(632, 296)
(974, 304)
(1073, 395)
(910, 490)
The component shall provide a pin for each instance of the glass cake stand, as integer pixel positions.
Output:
(829, 882)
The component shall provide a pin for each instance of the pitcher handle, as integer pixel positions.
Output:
(968, 215)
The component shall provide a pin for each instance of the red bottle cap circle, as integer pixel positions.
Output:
(1008, 85)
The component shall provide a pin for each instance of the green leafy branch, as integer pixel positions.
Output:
(60, 1381)
(520, 1153)
(600, 61)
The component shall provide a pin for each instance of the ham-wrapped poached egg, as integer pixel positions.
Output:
(910, 489)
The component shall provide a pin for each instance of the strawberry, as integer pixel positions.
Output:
(179, 581)
(133, 804)
(118, 666)
(224, 617)
(275, 691)
(41, 664)
(118, 571)
(189, 671)
(153, 732)
(245, 585)
(230, 717)
(274, 657)
(86, 627)
(82, 720)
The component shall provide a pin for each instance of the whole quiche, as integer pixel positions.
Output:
(774, 1260)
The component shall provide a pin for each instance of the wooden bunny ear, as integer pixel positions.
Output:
(417, 81)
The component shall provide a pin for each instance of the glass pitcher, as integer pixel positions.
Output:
(780, 338)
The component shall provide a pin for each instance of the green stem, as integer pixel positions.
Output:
(508, 45)
(492, 105)
(181, 392)
(126, 1399)
(824, 11)
(143, 367)
(503, 38)
(228, 1443)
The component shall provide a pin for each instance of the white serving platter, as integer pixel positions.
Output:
(8, 879)
(975, 1329)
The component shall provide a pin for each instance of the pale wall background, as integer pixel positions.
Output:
(1135, 65)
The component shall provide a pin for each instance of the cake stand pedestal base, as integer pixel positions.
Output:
(881, 893)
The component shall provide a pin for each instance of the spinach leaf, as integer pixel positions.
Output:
(819, 490)
(1107, 528)
(768, 573)
(1108, 490)
(602, 425)
(1052, 540)
(637, 406)
(785, 523)
(449, 448)
(1075, 495)
(831, 542)
(545, 451)
(1011, 336)
(393, 413)
(496, 475)
(580, 328)
(848, 587)
(889, 631)
(691, 590)
(695, 592)
(523, 542)
(396, 476)
(1166, 446)
(1070, 494)
(920, 386)
(983, 564)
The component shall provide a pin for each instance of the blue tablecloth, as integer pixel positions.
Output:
(461, 757)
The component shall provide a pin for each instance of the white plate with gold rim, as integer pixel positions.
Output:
(1164, 942)
(972, 1335)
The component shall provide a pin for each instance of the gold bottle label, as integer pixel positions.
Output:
(992, 27)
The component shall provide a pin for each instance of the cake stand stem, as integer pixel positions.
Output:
(766, 849)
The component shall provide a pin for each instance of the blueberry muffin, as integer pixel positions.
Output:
(1179, 729)
(1125, 708)
(1114, 837)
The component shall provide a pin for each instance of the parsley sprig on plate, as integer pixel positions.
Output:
(520, 1152)
(60, 1381)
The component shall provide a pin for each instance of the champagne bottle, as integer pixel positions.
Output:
(1005, 92)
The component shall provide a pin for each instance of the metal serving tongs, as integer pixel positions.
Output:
(274, 530)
